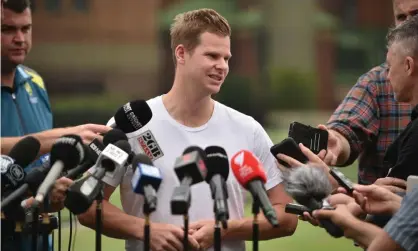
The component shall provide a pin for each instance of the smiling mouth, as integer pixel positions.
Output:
(215, 77)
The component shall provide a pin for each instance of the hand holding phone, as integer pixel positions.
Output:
(288, 147)
(314, 138)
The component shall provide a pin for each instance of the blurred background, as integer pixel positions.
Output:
(293, 60)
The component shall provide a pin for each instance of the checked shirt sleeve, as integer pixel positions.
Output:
(357, 117)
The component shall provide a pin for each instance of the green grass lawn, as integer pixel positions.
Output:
(306, 237)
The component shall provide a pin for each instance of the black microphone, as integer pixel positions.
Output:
(190, 169)
(82, 193)
(93, 151)
(32, 181)
(66, 153)
(132, 116)
(12, 166)
(146, 181)
(310, 187)
(217, 165)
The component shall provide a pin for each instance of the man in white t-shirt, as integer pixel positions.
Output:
(185, 116)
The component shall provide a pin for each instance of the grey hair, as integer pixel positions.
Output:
(407, 34)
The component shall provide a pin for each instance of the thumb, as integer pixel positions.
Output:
(322, 127)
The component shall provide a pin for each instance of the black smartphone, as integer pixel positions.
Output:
(292, 208)
(313, 138)
(342, 180)
(290, 148)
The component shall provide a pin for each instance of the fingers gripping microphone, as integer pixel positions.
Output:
(250, 174)
(190, 169)
(132, 116)
(66, 153)
(146, 181)
(217, 164)
(310, 187)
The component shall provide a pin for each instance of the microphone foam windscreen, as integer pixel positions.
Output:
(114, 135)
(216, 162)
(141, 158)
(123, 145)
(25, 151)
(307, 184)
(69, 149)
(133, 116)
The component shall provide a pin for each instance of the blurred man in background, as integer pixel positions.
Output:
(369, 118)
(25, 108)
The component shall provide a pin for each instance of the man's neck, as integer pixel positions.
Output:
(7, 78)
(187, 106)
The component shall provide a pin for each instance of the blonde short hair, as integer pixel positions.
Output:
(188, 26)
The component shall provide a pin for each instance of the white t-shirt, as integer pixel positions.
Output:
(163, 139)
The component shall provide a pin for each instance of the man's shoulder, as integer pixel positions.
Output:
(378, 74)
(235, 115)
(35, 76)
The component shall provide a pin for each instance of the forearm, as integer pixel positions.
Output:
(8, 143)
(116, 223)
(363, 233)
(243, 229)
(46, 138)
(343, 157)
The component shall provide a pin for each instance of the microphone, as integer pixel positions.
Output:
(113, 136)
(146, 181)
(93, 151)
(310, 187)
(190, 169)
(112, 157)
(12, 166)
(82, 193)
(32, 181)
(250, 174)
(217, 165)
(132, 116)
(66, 153)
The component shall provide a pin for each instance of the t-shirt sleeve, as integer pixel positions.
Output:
(403, 227)
(262, 144)
(114, 178)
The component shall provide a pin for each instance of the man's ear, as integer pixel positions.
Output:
(180, 53)
(410, 65)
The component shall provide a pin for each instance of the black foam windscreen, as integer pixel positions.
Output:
(133, 116)
(216, 162)
(25, 151)
(113, 136)
(124, 146)
(141, 158)
(69, 149)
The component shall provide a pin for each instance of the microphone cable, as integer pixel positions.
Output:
(59, 230)
(75, 232)
(71, 231)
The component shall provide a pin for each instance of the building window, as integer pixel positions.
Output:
(81, 5)
(53, 5)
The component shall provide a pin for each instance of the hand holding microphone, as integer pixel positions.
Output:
(310, 187)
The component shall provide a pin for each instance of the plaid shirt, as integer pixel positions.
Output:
(370, 119)
(403, 227)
